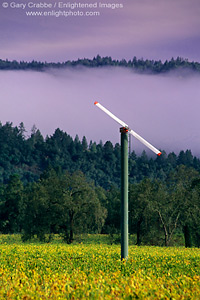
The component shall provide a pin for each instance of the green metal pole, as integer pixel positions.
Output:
(124, 193)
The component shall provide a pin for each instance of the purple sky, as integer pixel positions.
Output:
(153, 29)
(163, 109)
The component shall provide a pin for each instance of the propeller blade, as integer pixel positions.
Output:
(111, 115)
(143, 141)
(137, 136)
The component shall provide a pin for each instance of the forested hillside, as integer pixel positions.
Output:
(139, 65)
(64, 185)
(30, 156)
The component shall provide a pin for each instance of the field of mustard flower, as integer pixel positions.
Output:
(94, 271)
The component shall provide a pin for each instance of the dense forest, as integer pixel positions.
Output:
(139, 65)
(30, 156)
(66, 186)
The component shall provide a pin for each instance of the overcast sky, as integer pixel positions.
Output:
(163, 109)
(153, 29)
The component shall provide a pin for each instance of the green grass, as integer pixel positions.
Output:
(178, 239)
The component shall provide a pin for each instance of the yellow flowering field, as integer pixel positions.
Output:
(59, 271)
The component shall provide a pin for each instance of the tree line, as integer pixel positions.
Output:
(29, 156)
(139, 65)
(64, 185)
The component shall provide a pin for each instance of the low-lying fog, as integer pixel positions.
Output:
(164, 109)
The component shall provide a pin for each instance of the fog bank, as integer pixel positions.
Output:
(164, 109)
